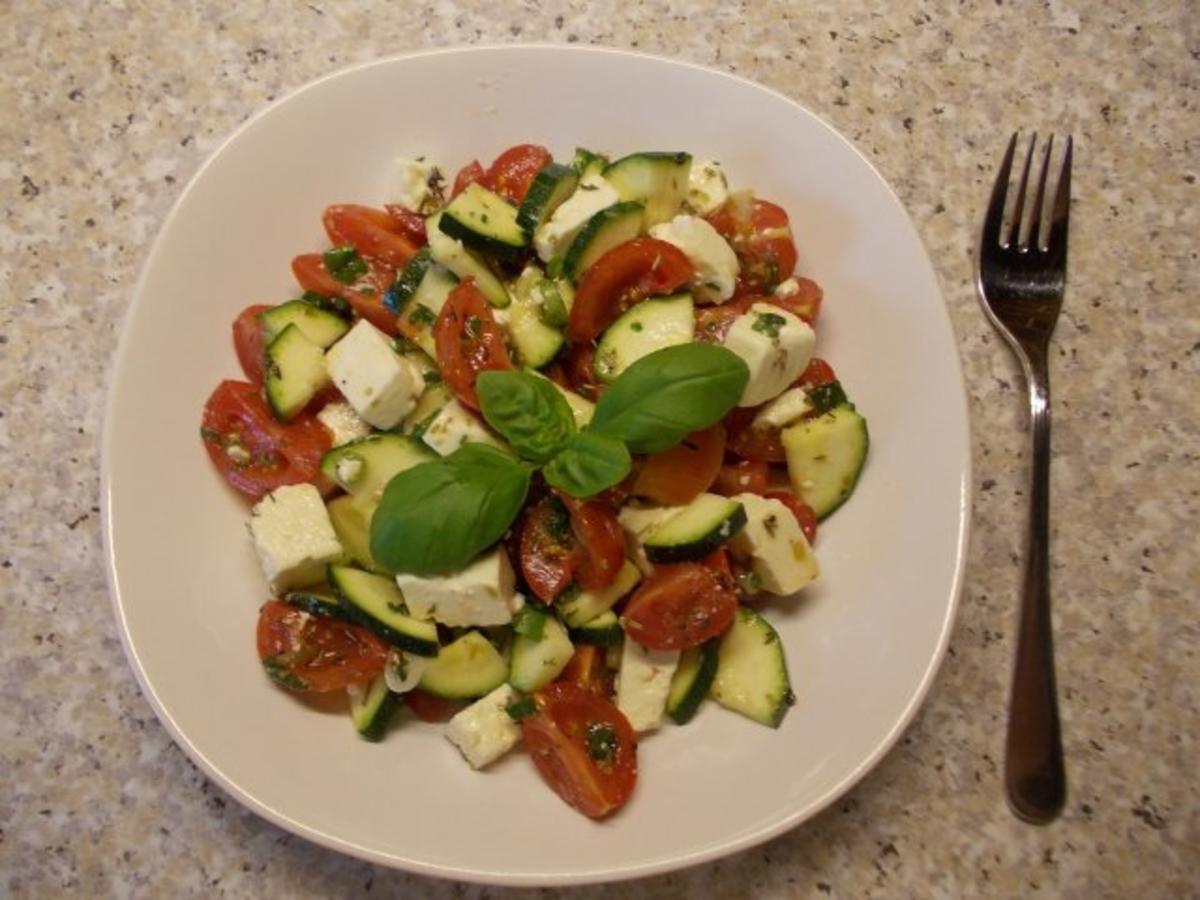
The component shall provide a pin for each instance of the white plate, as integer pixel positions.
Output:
(862, 646)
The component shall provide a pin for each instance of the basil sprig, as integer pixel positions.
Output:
(436, 517)
(589, 463)
(528, 411)
(668, 394)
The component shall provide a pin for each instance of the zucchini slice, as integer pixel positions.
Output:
(419, 294)
(604, 630)
(372, 708)
(295, 371)
(587, 162)
(468, 667)
(549, 189)
(581, 607)
(611, 226)
(485, 221)
(825, 456)
(364, 466)
(643, 328)
(659, 181)
(537, 342)
(318, 600)
(375, 602)
(451, 253)
(320, 326)
(351, 519)
(752, 676)
(535, 663)
(699, 528)
(692, 680)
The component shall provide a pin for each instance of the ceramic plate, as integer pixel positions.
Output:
(863, 645)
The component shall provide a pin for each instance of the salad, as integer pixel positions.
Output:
(533, 452)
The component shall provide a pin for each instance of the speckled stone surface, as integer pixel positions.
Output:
(109, 107)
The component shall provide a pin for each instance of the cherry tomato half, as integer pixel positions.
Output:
(305, 652)
(675, 476)
(365, 295)
(805, 303)
(547, 548)
(744, 476)
(374, 233)
(761, 236)
(468, 341)
(713, 322)
(249, 342)
(583, 747)
(408, 223)
(748, 442)
(469, 174)
(514, 170)
(680, 606)
(588, 669)
(627, 273)
(818, 372)
(599, 542)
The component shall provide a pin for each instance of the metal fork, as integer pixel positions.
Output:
(1021, 281)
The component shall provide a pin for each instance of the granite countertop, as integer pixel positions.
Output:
(110, 107)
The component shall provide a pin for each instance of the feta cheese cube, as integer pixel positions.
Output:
(293, 536)
(342, 422)
(637, 522)
(481, 594)
(455, 425)
(775, 345)
(484, 731)
(381, 385)
(714, 260)
(592, 195)
(785, 409)
(708, 188)
(789, 287)
(643, 683)
(416, 185)
(774, 545)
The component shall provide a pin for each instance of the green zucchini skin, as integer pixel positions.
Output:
(692, 681)
(702, 526)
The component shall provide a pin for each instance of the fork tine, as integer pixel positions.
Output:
(993, 220)
(1019, 206)
(1057, 241)
(1037, 213)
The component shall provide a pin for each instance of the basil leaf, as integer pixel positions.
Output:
(668, 394)
(436, 517)
(528, 411)
(588, 464)
(825, 397)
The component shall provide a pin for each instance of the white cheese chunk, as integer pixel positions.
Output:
(592, 195)
(484, 731)
(416, 184)
(775, 345)
(293, 536)
(637, 522)
(774, 545)
(481, 594)
(342, 422)
(785, 409)
(789, 287)
(381, 385)
(643, 683)
(455, 425)
(715, 262)
(708, 188)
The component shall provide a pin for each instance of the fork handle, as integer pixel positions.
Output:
(1034, 775)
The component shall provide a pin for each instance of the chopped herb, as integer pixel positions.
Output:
(345, 264)
(474, 327)
(601, 742)
(636, 326)
(825, 397)
(433, 376)
(768, 324)
(519, 709)
(281, 675)
(329, 304)
(588, 187)
(422, 315)
(771, 525)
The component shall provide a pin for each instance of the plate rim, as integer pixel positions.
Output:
(328, 841)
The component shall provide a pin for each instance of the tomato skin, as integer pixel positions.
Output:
(546, 553)
(249, 341)
(469, 174)
(588, 669)
(713, 322)
(408, 223)
(273, 454)
(675, 476)
(818, 372)
(429, 707)
(802, 511)
(680, 606)
(805, 303)
(627, 273)
(750, 443)
(580, 372)
(599, 542)
(365, 295)
(557, 737)
(761, 236)
(745, 476)
(514, 170)
(305, 652)
(468, 341)
(374, 233)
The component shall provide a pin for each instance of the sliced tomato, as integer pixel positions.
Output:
(469, 174)
(599, 542)
(713, 322)
(627, 273)
(365, 295)
(580, 372)
(468, 341)
(305, 652)
(748, 442)
(802, 511)
(761, 236)
(254, 452)
(818, 372)
(408, 223)
(675, 476)
(583, 747)
(249, 342)
(805, 303)
(547, 548)
(374, 233)
(587, 669)
(745, 476)
(514, 170)
(680, 606)
(429, 707)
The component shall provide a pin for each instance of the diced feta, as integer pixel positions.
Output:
(342, 422)
(775, 345)
(715, 262)
(708, 187)
(381, 385)
(416, 185)
(484, 731)
(403, 671)
(592, 195)
(455, 425)
(643, 682)
(293, 536)
(785, 409)
(481, 594)
(789, 287)
(638, 522)
(774, 545)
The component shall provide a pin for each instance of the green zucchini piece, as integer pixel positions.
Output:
(752, 676)
(611, 226)
(452, 254)
(294, 372)
(825, 457)
(469, 667)
(408, 280)
(692, 680)
(639, 331)
(419, 310)
(577, 608)
(364, 466)
(321, 326)
(376, 603)
(351, 519)
(659, 181)
(485, 221)
(699, 528)
(604, 630)
(535, 663)
(586, 162)
(537, 343)
(318, 600)
(550, 187)
(372, 708)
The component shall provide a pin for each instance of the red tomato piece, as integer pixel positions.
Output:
(713, 322)
(599, 542)
(629, 272)
(588, 669)
(468, 341)
(408, 223)
(748, 442)
(365, 295)
(583, 747)
(430, 707)
(818, 372)
(675, 476)
(547, 549)
(761, 236)
(680, 606)
(469, 174)
(305, 652)
(254, 452)
(802, 511)
(805, 303)
(374, 233)
(580, 372)
(249, 342)
(744, 476)
(514, 170)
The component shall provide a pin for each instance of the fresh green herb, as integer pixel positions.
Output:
(636, 326)
(668, 394)
(552, 310)
(329, 304)
(520, 709)
(589, 463)
(436, 517)
(474, 327)
(422, 315)
(530, 622)
(825, 397)
(768, 324)
(344, 264)
(529, 412)
(601, 742)
(433, 376)
(278, 671)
